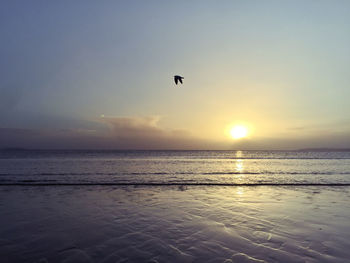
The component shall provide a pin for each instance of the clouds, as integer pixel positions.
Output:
(133, 126)
(147, 133)
(113, 133)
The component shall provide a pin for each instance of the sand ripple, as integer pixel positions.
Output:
(172, 224)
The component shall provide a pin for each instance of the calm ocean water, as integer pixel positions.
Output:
(174, 167)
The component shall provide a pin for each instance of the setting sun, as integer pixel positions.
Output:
(238, 132)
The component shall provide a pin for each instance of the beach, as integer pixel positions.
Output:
(174, 132)
(174, 224)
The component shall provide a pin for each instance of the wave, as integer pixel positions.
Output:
(177, 158)
(44, 183)
(177, 173)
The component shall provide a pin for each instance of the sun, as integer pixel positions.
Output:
(239, 131)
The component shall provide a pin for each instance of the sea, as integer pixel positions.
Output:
(104, 167)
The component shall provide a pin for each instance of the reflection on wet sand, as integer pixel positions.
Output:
(168, 224)
(239, 166)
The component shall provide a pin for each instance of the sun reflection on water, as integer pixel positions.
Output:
(239, 165)
(240, 191)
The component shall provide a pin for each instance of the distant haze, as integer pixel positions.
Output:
(99, 74)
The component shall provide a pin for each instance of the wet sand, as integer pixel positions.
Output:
(174, 224)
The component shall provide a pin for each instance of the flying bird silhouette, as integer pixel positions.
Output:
(178, 78)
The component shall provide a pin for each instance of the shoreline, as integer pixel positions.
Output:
(174, 223)
(179, 184)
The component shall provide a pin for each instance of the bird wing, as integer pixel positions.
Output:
(176, 80)
(180, 79)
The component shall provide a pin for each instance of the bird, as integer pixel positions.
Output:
(178, 78)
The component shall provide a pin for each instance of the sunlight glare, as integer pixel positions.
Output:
(238, 132)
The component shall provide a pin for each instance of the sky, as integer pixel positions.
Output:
(99, 74)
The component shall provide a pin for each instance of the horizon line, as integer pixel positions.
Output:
(321, 149)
